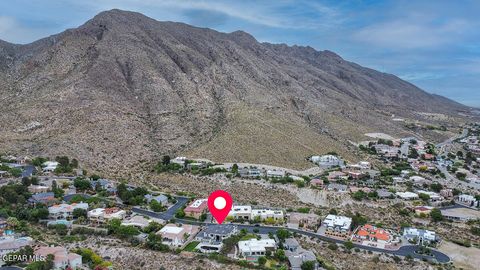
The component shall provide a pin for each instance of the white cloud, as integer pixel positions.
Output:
(411, 33)
(13, 31)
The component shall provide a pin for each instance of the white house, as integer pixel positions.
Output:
(177, 236)
(337, 225)
(275, 174)
(263, 214)
(101, 215)
(49, 166)
(254, 248)
(65, 211)
(407, 195)
(419, 235)
(327, 161)
(243, 212)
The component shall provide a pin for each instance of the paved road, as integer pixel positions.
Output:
(403, 251)
(167, 215)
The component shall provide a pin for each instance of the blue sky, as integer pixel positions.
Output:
(433, 44)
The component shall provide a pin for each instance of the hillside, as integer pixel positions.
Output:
(123, 89)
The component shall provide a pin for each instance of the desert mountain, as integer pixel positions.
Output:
(123, 89)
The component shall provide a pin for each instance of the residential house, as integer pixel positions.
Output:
(240, 212)
(407, 195)
(303, 220)
(211, 237)
(177, 235)
(42, 198)
(34, 189)
(62, 258)
(50, 166)
(11, 244)
(64, 211)
(316, 182)
(372, 233)
(384, 194)
(101, 215)
(337, 187)
(467, 200)
(460, 214)
(419, 236)
(162, 199)
(179, 160)
(249, 172)
(446, 193)
(423, 210)
(266, 213)
(434, 197)
(253, 249)
(137, 221)
(327, 161)
(296, 255)
(275, 174)
(197, 208)
(337, 225)
(337, 175)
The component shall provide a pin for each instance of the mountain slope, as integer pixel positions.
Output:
(123, 89)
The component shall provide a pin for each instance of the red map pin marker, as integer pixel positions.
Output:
(219, 204)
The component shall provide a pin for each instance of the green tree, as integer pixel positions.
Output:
(262, 260)
(282, 234)
(308, 265)
(235, 168)
(79, 212)
(348, 245)
(436, 215)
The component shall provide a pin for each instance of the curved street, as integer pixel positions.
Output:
(404, 251)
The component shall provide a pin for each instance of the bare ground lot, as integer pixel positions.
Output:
(462, 257)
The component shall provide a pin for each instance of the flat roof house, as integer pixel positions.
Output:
(419, 235)
(196, 208)
(49, 166)
(407, 195)
(461, 214)
(38, 189)
(266, 213)
(254, 248)
(174, 235)
(241, 212)
(275, 174)
(337, 225)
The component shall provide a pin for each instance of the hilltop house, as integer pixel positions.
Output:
(50, 166)
(327, 161)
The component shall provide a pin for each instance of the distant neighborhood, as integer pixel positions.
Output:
(427, 182)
